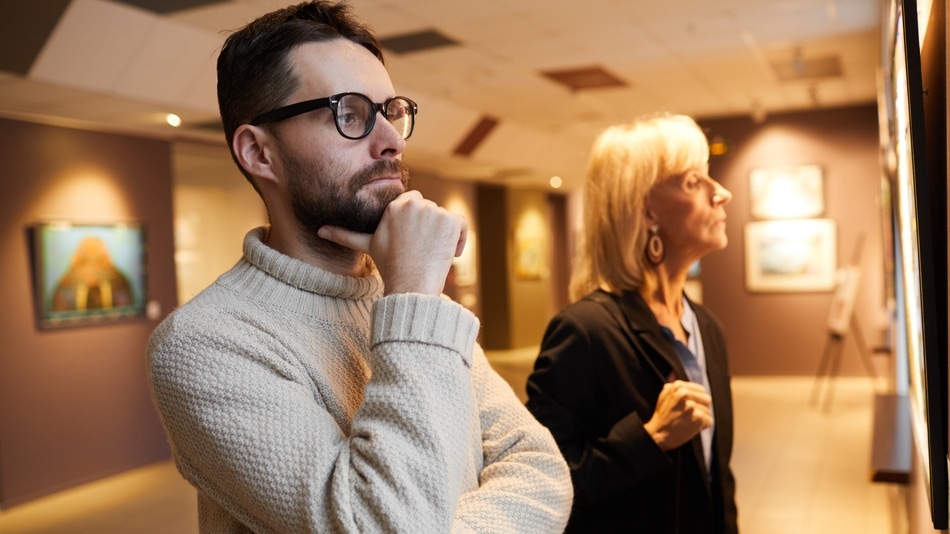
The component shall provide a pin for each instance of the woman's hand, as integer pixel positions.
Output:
(682, 412)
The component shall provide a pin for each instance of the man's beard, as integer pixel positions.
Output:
(328, 200)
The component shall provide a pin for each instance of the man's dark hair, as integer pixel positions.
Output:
(254, 74)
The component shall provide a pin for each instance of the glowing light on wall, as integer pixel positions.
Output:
(85, 195)
(531, 246)
(464, 265)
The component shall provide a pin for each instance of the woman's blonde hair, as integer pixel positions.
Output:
(625, 162)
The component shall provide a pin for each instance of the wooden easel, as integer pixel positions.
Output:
(841, 322)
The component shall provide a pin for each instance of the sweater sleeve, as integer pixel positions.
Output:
(525, 485)
(251, 433)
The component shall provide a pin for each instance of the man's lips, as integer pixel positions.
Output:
(384, 180)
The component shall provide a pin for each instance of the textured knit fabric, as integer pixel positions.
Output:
(297, 401)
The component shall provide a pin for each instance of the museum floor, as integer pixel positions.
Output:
(799, 470)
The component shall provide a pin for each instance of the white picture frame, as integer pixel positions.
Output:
(791, 255)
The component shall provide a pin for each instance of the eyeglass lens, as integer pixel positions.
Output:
(356, 115)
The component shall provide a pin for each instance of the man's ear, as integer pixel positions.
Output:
(252, 151)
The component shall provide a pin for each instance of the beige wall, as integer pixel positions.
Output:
(214, 207)
(529, 242)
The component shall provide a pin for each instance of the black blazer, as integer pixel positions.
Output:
(602, 365)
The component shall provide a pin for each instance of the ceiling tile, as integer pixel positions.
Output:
(93, 44)
(416, 41)
(168, 62)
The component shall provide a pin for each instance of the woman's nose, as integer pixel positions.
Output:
(721, 195)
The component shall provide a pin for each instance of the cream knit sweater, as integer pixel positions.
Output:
(297, 401)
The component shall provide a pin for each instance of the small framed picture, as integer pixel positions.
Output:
(791, 255)
(87, 273)
(787, 192)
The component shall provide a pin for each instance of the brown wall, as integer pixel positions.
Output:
(74, 403)
(785, 333)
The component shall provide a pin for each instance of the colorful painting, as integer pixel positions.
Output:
(87, 273)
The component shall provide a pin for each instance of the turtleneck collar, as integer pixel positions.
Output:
(286, 270)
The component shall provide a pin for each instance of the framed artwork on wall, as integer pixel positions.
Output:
(87, 273)
(530, 247)
(918, 201)
(793, 192)
(790, 255)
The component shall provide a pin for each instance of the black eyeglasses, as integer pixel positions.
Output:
(353, 113)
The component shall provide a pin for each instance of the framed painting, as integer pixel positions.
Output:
(790, 255)
(914, 44)
(87, 273)
(795, 192)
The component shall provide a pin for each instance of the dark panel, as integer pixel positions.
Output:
(577, 79)
(891, 441)
(416, 41)
(168, 6)
(26, 26)
(475, 136)
(493, 266)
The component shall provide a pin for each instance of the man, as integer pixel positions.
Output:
(323, 383)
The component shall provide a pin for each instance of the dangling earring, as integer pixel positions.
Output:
(656, 252)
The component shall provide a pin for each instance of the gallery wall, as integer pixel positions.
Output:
(785, 333)
(74, 403)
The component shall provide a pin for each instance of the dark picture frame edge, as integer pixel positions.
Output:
(920, 172)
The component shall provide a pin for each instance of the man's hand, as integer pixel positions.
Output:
(413, 246)
(682, 412)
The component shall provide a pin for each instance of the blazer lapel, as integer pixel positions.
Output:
(642, 325)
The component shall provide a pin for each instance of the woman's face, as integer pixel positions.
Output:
(689, 211)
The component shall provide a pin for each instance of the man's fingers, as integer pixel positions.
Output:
(347, 238)
(463, 237)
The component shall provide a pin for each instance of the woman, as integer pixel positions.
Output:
(632, 378)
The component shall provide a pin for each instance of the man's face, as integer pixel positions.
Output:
(329, 179)
(339, 200)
